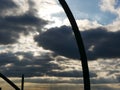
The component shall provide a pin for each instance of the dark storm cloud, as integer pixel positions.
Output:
(7, 57)
(11, 26)
(118, 77)
(7, 37)
(99, 43)
(12, 66)
(60, 40)
(106, 44)
(25, 19)
(6, 5)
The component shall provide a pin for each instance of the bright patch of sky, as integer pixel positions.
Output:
(86, 9)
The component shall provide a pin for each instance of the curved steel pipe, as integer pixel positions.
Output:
(10, 82)
(86, 77)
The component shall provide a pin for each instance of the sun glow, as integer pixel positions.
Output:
(20, 57)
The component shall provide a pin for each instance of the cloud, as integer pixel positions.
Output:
(7, 37)
(104, 80)
(47, 12)
(84, 24)
(114, 26)
(60, 40)
(113, 7)
(54, 80)
(107, 71)
(87, 24)
(99, 42)
(48, 68)
(105, 44)
(31, 66)
(108, 5)
(12, 65)
(6, 5)
(11, 26)
(70, 73)
(16, 64)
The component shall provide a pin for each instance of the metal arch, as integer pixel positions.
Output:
(10, 82)
(85, 68)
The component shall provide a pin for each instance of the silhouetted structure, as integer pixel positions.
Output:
(10, 82)
(80, 44)
(22, 83)
(0, 88)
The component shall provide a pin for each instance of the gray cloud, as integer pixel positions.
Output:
(71, 73)
(104, 80)
(6, 4)
(106, 44)
(12, 66)
(60, 40)
(7, 37)
(26, 19)
(99, 43)
(12, 25)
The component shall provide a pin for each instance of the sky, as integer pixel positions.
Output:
(36, 40)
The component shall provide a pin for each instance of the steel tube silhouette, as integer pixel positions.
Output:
(22, 83)
(10, 82)
(86, 77)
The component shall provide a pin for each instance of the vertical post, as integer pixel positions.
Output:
(0, 88)
(80, 44)
(22, 82)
